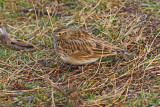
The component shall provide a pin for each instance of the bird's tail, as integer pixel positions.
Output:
(122, 51)
(117, 50)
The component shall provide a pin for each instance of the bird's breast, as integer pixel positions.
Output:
(77, 60)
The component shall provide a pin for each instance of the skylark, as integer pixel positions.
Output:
(78, 47)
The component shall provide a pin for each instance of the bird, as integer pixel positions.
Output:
(7, 40)
(79, 47)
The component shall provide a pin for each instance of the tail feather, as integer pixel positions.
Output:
(121, 51)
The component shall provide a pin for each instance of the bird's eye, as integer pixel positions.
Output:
(59, 33)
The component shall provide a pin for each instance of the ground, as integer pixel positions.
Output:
(33, 78)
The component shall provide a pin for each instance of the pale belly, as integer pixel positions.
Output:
(78, 61)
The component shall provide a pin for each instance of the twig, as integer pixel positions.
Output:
(52, 95)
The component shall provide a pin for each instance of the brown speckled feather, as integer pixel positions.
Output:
(78, 47)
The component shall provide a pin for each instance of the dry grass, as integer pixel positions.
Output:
(33, 78)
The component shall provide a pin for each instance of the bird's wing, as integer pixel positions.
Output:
(82, 44)
(75, 47)
(102, 48)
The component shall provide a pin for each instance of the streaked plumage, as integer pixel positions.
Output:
(78, 47)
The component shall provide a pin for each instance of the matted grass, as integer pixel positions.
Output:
(33, 78)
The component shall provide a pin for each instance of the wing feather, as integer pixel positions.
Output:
(82, 45)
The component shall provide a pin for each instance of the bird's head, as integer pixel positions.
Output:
(61, 32)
